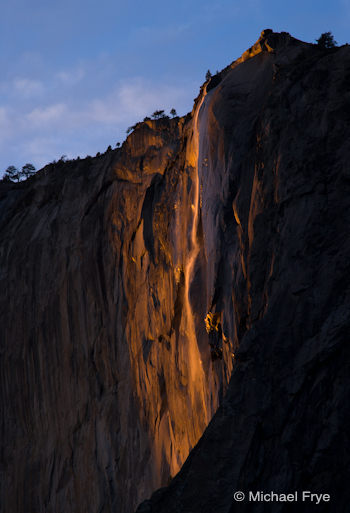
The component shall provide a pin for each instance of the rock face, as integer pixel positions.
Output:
(107, 373)
(276, 199)
(208, 249)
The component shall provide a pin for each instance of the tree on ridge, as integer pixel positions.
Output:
(12, 174)
(157, 114)
(326, 40)
(28, 170)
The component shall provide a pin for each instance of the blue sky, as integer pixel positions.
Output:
(75, 74)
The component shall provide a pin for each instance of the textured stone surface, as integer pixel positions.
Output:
(104, 388)
(276, 199)
(130, 280)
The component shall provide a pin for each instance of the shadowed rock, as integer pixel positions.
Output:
(275, 216)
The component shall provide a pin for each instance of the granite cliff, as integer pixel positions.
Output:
(199, 272)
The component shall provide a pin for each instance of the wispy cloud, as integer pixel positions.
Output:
(128, 101)
(138, 97)
(70, 77)
(38, 148)
(40, 117)
(27, 87)
(84, 124)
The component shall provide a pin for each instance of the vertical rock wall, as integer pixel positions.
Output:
(275, 216)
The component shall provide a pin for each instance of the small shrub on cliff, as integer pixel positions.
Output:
(208, 75)
(5, 179)
(131, 128)
(157, 114)
(173, 113)
(326, 40)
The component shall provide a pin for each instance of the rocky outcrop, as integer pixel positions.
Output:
(135, 283)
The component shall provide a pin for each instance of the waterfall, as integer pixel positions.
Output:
(195, 368)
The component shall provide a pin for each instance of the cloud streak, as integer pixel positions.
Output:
(134, 99)
(28, 87)
(42, 117)
(45, 132)
(70, 77)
